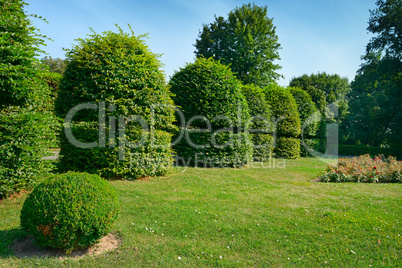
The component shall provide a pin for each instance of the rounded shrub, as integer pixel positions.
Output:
(118, 73)
(118, 69)
(209, 89)
(70, 211)
(217, 115)
(287, 121)
(261, 124)
(310, 119)
(284, 110)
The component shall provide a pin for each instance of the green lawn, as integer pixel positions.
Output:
(240, 218)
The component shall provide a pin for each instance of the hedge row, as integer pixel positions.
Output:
(213, 150)
(356, 150)
(25, 136)
(138, 154)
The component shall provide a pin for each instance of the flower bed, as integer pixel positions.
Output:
(365, 169)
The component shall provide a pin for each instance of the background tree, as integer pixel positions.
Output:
(246, 41)
(56, 65)
(376, 101)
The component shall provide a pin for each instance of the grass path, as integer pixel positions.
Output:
(242, 218)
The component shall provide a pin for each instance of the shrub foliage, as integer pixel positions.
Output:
(25, 101)
(210, 98)
(261, 125)
(119, 70)
(287, 125)
(70, 211)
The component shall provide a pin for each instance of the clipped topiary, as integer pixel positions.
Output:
(310, 119)
(70, 211)
(216, 115)
(209, 89)
(287, 125)
(118, 70)
(261, 125)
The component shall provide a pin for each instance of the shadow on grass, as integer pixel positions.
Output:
(7, 240)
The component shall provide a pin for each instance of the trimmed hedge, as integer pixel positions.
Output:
(261, 123)
(70, 211)
(151, 158)
(287, 147)
(309, 117)
(263, 145)
(208, 88)
(356, 150)
(24, 138)
(119, 70)
(284, 110)
(283, 105)
(213, 150)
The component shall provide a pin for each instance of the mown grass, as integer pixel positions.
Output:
(254, 217)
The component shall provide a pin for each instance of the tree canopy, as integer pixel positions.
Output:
(376, 101)
(246, 41)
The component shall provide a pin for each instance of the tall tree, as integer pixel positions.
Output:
(246, 41)
(386, 22)
(376, 99)
(324, 90)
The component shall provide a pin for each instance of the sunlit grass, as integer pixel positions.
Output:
(242, 217)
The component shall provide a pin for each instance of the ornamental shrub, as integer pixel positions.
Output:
(119, 70)
(287, 125)
(309, 117)
(152, 156)
(70, 211)
(214, 150)
(261, 125)
(217, 115)
(287, 147)
(25, 135)
(283, 105)
(209, 89)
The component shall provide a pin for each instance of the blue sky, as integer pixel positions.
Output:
(315, 35)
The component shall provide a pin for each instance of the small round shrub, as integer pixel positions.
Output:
(70, 211)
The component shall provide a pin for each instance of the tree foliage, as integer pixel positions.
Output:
(56, 65)
(386, 22)
(246, 41)
(376, 101)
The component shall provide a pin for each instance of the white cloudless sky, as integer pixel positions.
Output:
(315, 35)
